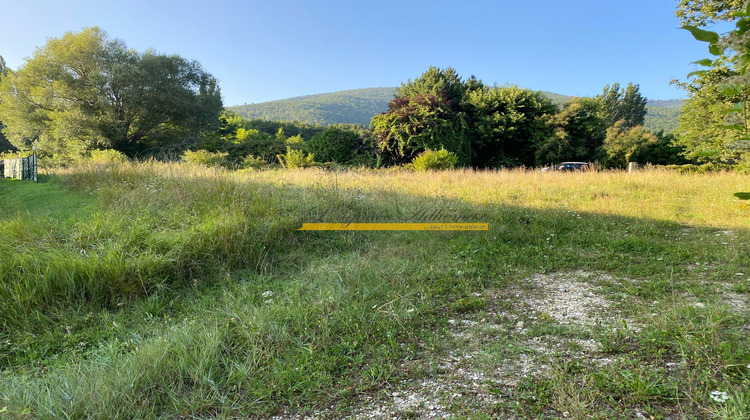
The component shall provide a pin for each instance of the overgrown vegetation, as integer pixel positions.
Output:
(154, 106)
(166, 290)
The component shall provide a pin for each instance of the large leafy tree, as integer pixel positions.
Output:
(414, 124)
(85, 90)
(4, 143)
(444, 83)
(578, 133)
(509, 124)
(427, 113)
(702, 129)
(625, 144)
(623, 104)
(483, 127)
(715, 124)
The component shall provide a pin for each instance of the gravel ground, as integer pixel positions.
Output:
(461, 382)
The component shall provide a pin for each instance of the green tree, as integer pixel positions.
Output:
(665, 151)
(625, 144)
(508, 125)
(84, 91)
(703, 12)
(334, 145)
(578, 133)
(702, 128)
(427, 113)
(619, 104)
(5, 145)
(416, 123)
(445, 84)
(720, 95)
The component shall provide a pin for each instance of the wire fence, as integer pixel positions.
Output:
(21, 168)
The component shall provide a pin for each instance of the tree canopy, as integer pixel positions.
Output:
(510, 124)
(715, 124)
(703, 12)
(482, 126)
(501, 126)
(622, 104)
(5, 145)
(84, 91)
(334, 145)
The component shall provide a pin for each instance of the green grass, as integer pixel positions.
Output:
(158, 291)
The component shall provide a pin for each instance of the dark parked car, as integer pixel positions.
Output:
(568, 166)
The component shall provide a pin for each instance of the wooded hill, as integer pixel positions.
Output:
(358, 106)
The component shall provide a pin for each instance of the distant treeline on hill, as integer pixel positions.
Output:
(358, 106)
(348, 107)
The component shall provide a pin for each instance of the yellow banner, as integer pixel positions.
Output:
(394, 226)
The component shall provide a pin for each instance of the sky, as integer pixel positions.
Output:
(263, 50)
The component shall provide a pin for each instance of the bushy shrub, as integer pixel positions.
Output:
(434, 160)
(334, 145)
(296, 159)
(743, 166)
(107, 156)
(206, 158)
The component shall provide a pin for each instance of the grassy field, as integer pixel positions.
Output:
(171, 291)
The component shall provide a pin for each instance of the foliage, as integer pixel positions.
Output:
(435, 160)
(622, 105)
(721, 92)
(206, 158)
(334, 145)
(294, 158)
(662, 118)
(107, 156)
(664, 151)
(5, 145)
(437, 82)
(508, 124)
(85, 91)
(483, 127)
(413, 124)
(704, 12)
(625, 144)
(702, 127)
(578, 132)
(313, 117)
(237, 137)
(349, 107)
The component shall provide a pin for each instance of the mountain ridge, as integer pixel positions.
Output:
(358, 106)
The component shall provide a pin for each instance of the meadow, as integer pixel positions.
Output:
(165, 290)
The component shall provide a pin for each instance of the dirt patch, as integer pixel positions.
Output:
(495, 348)
(738, 302)
(569, 298)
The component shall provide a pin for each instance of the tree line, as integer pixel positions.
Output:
(85, 92)
(507, 126)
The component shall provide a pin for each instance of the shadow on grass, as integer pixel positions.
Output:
(212, 298)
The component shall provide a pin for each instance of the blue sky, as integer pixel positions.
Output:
(275, 49)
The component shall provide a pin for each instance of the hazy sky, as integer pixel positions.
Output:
(264, 50)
